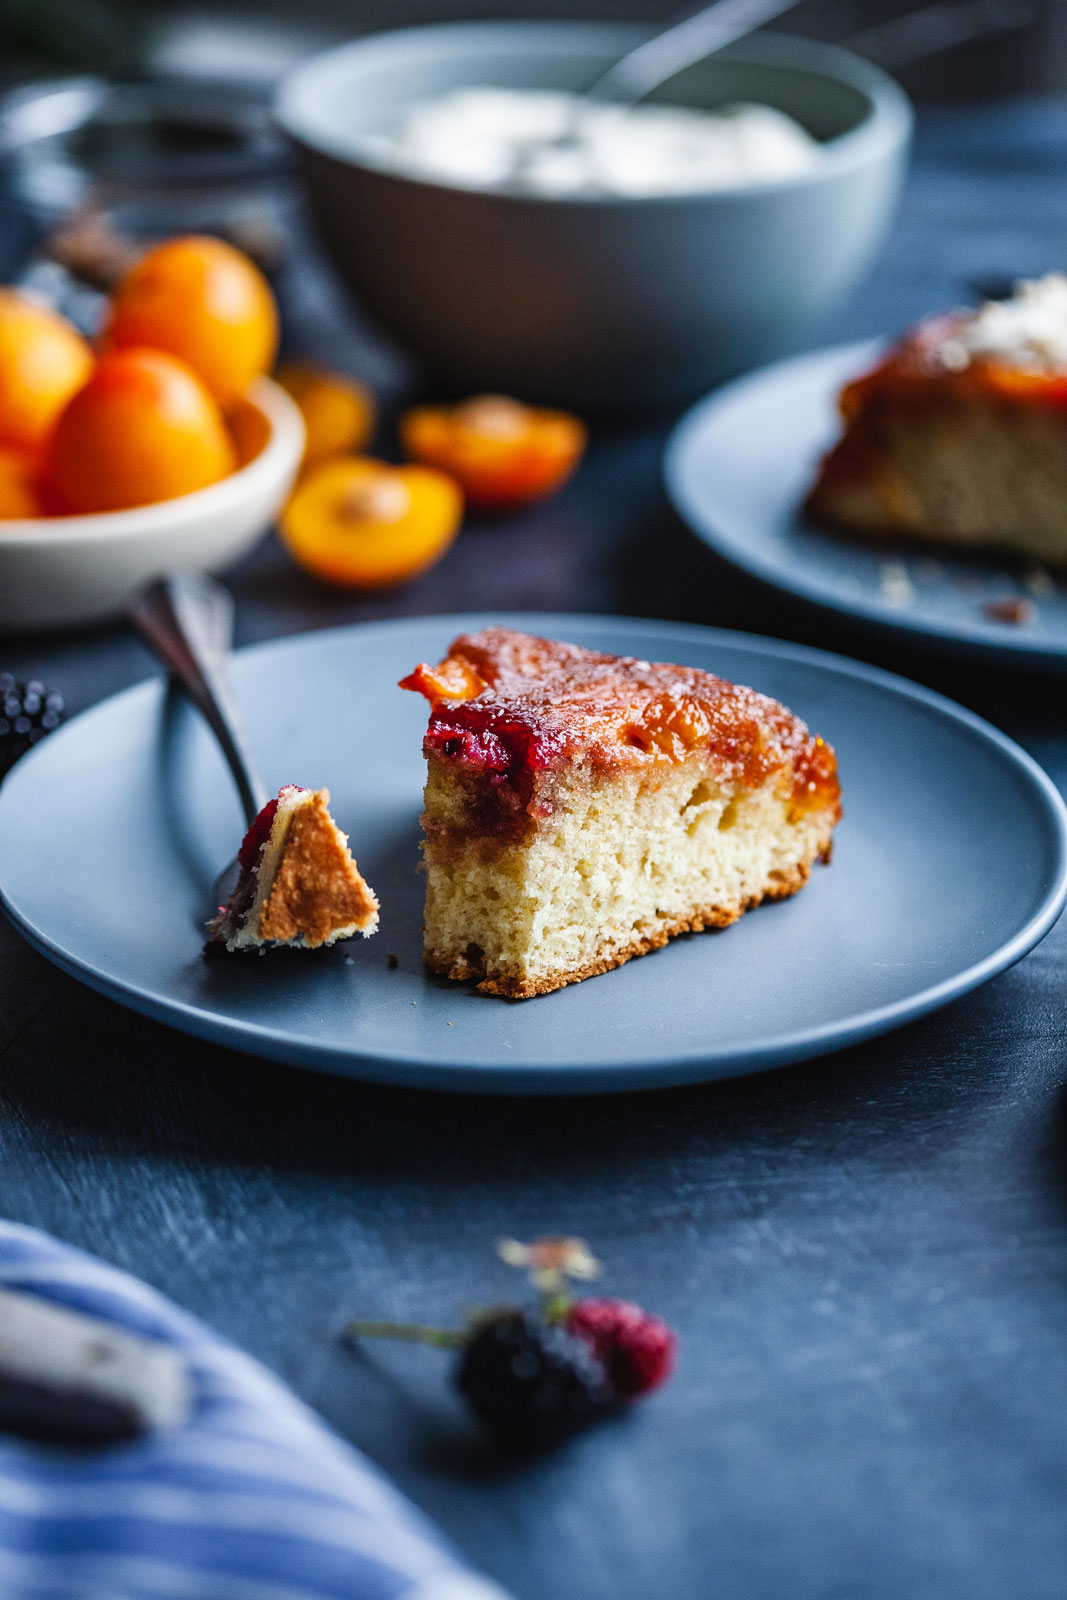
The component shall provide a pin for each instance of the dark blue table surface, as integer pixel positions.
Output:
(866, 1256)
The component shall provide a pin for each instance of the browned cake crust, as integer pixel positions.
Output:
(299, 885)
(317, 888)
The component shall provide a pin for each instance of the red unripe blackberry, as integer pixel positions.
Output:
(637, 1350)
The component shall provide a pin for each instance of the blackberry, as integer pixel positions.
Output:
(28, 711)
(531, 1382)
(534, 1378)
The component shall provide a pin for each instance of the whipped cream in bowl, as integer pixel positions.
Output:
(555, 144)
(517, 239)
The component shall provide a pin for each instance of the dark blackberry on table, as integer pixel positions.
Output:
(531, 1382)
(28, 711)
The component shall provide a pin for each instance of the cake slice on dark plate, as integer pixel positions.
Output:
(582, 808)
(299, 884)
(959, 436)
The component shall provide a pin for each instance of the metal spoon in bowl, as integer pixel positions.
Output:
(692, 38)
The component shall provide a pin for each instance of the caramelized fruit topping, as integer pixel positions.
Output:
(541, 703)
(919, 370)
(451, 679)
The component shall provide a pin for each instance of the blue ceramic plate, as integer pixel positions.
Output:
(112, 830)
(737, 468)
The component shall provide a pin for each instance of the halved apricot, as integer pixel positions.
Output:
(203, 301)
(502, 452)
(339, 412)
(363, 524)
(142, 429)
(43, 360)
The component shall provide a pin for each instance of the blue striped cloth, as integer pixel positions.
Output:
(252, 1499)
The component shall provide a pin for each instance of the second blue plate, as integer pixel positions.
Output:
(737, 468)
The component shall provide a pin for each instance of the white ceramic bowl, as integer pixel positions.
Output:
(63, 571)
(600, 302)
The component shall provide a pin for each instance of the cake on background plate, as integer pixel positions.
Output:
(959, 437)
(582, 808)
(299, 885)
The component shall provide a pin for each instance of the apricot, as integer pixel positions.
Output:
(339, 412)
(451, 679)
(503, 453)
(142, 429)
(43, 360)
(363, 524)
(20, 490)
(204, 302)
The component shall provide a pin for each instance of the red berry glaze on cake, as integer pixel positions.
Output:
(259, 832)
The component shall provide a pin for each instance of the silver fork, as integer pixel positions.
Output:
(187, 622)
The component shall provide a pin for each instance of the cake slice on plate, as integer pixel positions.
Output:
(581, 808)
(298, 883)
(959, 436)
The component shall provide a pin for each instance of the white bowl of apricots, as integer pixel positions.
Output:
(162, 446)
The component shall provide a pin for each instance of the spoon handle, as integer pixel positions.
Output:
(689, 40)
(187, 621)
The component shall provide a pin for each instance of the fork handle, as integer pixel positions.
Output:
(187, 621)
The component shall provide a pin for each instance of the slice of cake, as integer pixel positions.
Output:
(582, 808)
(298, 883)
(960, 435)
